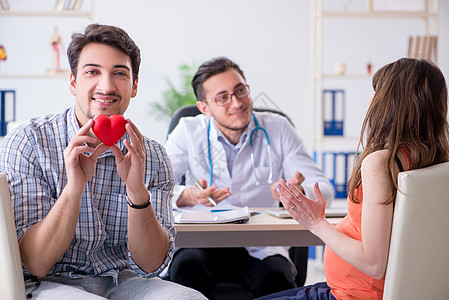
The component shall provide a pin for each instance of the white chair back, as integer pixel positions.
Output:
(418, 262)
(11, 276)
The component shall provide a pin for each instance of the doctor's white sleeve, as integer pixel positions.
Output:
(177, 150)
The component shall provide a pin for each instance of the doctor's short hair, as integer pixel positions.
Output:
(214, 66)
(107, 35)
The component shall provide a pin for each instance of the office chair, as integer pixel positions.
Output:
(192, 110)
(12, 286)
(418, 263)
(299, 255)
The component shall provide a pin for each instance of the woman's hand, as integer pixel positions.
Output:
(304, 210)
(296, 180)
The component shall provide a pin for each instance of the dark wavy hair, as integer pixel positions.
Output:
(210, 68)
(408, 109)
(103, 34)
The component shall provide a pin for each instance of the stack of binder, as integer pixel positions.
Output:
(7, 109)
(333, 111)
(337, 166)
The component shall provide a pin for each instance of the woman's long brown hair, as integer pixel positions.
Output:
(409, 109)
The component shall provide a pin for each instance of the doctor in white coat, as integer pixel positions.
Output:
(238, 156)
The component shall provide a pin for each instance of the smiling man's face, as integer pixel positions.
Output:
(234, 116)
(103, 82)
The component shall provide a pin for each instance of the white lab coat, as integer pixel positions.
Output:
(187, 147)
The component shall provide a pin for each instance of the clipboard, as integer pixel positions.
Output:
(236, 215)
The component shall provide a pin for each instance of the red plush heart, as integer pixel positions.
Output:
(109, 129)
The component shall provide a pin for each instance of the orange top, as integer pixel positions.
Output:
(346, 281)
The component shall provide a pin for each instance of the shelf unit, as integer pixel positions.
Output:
(61, 75)
(322, 79)
(47, 13)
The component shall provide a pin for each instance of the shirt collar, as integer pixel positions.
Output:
(216, 134)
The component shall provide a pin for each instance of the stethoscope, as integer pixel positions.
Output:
(258, 181)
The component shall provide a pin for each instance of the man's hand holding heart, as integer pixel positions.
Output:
(81, 167)
(130, 167)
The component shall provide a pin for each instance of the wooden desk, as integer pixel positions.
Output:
(260, 230)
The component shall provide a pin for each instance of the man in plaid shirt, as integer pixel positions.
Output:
(93, 221)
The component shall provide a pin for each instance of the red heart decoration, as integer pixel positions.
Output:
(109, 129)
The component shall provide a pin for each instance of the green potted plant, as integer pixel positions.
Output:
(174, 98)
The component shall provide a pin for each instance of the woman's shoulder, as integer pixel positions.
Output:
(376, 160)
(376, 177)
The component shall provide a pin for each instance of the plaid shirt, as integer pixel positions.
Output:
(32, 157)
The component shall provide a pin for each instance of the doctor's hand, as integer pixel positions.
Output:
(295, 181)
(193, 195)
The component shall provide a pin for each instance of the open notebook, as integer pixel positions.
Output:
(212, 215)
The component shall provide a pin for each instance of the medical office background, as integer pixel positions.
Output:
(271, 40)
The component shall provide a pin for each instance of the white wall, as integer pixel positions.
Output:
(270, 39)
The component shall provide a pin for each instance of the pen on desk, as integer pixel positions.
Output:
(198, 185)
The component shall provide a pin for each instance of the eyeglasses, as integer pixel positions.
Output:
(224, 99)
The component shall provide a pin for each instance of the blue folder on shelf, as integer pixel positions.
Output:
(333, 111)
(7, 109)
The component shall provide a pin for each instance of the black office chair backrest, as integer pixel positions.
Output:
(192, 110)
(274, 111)
(185, 111)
